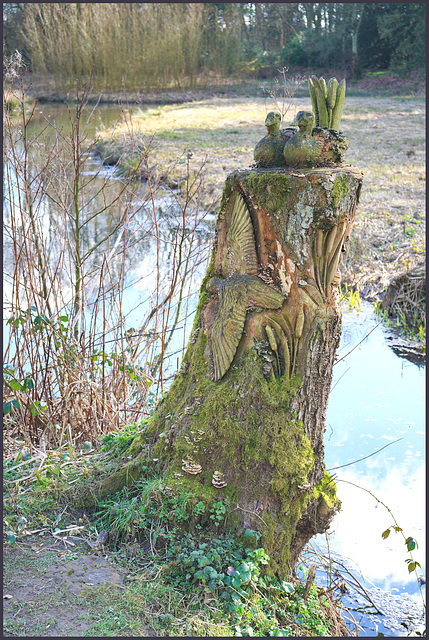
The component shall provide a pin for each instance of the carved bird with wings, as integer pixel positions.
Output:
(239, 292)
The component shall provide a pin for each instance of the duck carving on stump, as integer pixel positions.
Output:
(269, 151)
(313, 146)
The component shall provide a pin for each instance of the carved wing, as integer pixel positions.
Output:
(241, 240)
(228, 325)
(262, 295)
(237, 294)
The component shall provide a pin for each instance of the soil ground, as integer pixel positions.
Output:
(51, 590)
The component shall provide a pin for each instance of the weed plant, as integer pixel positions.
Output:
(218, 568)
(350, 296)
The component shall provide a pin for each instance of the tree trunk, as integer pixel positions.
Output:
(243, 422)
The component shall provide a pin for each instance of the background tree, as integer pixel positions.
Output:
(161, 45)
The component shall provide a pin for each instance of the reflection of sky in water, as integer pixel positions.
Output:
(377, 398)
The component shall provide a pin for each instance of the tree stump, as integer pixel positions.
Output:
(242, 424)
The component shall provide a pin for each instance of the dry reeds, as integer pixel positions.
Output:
(130, 45)
(405, 297)
(73, 368)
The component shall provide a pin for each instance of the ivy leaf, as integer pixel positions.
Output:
(385, 534)
(288, 587)
(203, 561)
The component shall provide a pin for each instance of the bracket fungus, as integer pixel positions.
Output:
(191, 467)
(218, 481)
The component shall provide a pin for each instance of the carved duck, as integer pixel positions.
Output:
(313, 146)
(269, 151)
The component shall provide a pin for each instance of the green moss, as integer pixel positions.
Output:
(241, 427)
(228, 188)
(327, 489)
(271, 190)
(204, 296)
(340, 191)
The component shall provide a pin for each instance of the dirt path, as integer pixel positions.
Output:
(51, 591)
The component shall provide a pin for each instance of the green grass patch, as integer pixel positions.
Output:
(184, 578)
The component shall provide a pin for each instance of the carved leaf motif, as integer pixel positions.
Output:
(237, 294)
(241, 240)
(326, 259)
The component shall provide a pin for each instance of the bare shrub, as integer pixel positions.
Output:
(74, 368)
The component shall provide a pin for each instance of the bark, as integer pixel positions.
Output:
(243, 421)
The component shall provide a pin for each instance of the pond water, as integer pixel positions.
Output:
(377, 399)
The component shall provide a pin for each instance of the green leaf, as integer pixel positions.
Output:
(34, 410)
(398, 529)
(15, 385)
(28, 384)
(203, 561)
(411, 567)
(64, 318)
(411, 543)
(7, 406)
(288, 587)
(385, 534)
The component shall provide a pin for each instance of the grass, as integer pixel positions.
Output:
(181, 582)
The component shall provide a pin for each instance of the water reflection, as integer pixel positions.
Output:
(377, 399)
(126, 236)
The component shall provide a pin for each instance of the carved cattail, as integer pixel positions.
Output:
(322, 83)
(313, 102)
(330, 239)
(331, 98)
(299, 325)
(339, 105)
(321, 102)
(319, 242)
(271, 337)
(335, 260)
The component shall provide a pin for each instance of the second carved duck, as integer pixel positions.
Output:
(313, 146)
(269, 151)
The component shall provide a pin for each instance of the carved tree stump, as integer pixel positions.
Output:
(243, 421)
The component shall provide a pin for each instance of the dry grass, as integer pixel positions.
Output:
(386, 140)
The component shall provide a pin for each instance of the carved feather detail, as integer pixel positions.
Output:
(237, 294)
(241, 240)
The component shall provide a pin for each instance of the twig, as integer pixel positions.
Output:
(365, 457)
(356, 346)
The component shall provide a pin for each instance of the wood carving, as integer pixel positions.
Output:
(237, 294)
(256, 375)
